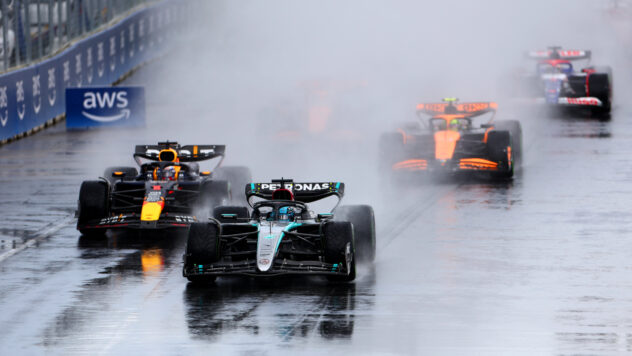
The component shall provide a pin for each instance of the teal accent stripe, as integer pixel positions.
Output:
(288, 228)
(252, 187)
(337, 185)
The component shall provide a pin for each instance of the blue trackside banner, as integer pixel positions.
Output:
(105, 107)
(31, 96)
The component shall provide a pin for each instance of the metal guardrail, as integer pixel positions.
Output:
(35, 29)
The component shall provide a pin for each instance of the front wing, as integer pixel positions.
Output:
(133, 221)
(249, 268)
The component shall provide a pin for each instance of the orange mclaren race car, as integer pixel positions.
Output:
(449, 142)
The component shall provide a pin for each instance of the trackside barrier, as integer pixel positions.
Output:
(33, 97)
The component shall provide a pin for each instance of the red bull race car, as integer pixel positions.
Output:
(281, 235)
(167, 192)
(449, 142)
(557, 82)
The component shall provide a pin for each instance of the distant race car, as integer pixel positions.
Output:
(165, 194)
(282, 236)
(448, 142)
(557, 82)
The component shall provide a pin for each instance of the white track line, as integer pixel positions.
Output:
(40, 236)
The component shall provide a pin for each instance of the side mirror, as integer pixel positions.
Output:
(118, 174)
(229, 216)
(324, 217)
(205, 173)
(487, 126)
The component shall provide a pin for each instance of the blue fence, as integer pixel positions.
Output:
(32, 96)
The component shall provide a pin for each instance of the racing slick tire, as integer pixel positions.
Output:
(214, 193)
(599, 86)
(339, 237)
(241, 212)
(202, 248)
(362, 218)
(93, 204)
(515, 129)
(129, 173)
(499, 147)
(238, 177)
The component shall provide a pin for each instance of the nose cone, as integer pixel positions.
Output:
(445, 143)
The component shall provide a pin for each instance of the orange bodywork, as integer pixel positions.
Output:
(411, 165)
(478, 164)
(445, 143)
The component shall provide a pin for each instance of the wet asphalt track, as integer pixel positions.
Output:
(537, 266)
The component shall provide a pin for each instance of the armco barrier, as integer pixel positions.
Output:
(32, 96)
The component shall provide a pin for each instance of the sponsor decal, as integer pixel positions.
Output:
(154, 196)
(4, 106)
(119, 106)
(141, 34)
(264, 261)
(19, 94)
(52, 90)
(79, 80)
(113, 220)
(112, 53)
(583, 101)
(296, 186)
(131, 40)
(122, 46)
(573, 53)
(66, 78)
(185, 219)
(90, 73)
(37, 98)
(100, 60)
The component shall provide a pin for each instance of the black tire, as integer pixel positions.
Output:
(599, 86)
(214, 193)
(515, 129)
(130, 173)
(202, 244)
(362, 218)
(93, 204)
(498, 143)
(241, 212)
(339, 234)
(238, 177)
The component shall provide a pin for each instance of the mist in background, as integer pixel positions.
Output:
(252, 69)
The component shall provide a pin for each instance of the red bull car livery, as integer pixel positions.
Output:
(164, 194)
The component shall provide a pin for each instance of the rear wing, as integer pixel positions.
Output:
(557, 53)
(189, 153)
(303, 192)
(470, 109)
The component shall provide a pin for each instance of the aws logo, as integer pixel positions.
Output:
(106, 106)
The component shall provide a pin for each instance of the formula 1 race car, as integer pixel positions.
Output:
(282, 236)
(448, 142)
(556, 82)
(166, 193)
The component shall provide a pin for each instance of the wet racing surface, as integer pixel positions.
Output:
(536, 265)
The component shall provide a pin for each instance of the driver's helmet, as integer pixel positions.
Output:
(286, 213)
(458, 125)
(169, 173)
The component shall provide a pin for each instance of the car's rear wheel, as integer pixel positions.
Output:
(362, 218)
(599, 86)
(338, 242)
(515, 130)
(93, 205)
(500, 150)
